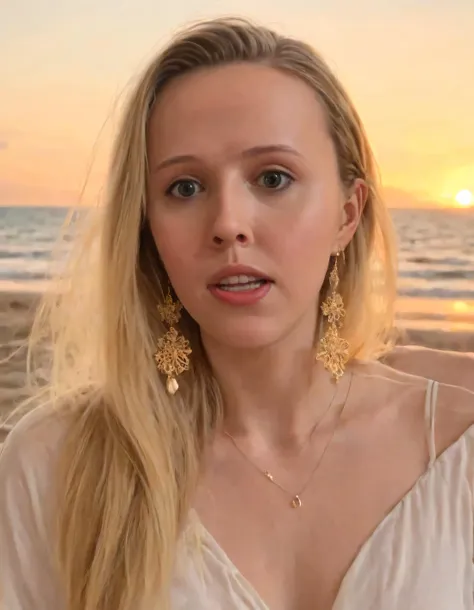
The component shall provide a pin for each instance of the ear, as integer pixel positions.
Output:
(351, 213)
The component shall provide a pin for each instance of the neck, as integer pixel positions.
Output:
(273, 394)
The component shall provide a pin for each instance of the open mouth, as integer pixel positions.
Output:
(241, 283)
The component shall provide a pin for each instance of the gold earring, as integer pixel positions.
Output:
(333, 350)
(172, 349)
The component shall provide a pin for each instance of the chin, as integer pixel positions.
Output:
(244, 334)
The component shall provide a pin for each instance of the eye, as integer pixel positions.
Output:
(275, 180)
(184, 189)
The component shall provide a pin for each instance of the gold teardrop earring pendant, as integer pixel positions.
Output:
(333, 349)
(172, 349)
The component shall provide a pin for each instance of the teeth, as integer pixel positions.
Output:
(239, 279)
(241, 287)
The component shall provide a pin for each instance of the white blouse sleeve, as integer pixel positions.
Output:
(28, 577)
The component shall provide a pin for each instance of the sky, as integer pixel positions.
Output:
(66, 65)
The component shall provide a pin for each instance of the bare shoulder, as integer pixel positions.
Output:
(395, 394)
(454, 413)
(454, 372)
(452, 368)
(405, 396)
(383, 375)
(453, 401)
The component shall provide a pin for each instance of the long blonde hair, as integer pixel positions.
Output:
(132, 455)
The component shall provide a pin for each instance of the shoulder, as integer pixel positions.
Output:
(29, 459)
(452, 368)
(407, 395)
(454, 414)
(410, 379)
(390, 385)
(33, 444)
(29, 464)
(450, 406)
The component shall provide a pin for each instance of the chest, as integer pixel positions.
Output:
(298, 558)
(419, 557)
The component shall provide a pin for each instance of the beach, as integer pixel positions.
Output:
(16, 315)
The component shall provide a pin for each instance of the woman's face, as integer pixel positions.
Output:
(244, 200)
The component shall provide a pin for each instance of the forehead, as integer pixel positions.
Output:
(220, 109)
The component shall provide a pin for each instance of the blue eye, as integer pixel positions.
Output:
(184, 189)
(275, 180)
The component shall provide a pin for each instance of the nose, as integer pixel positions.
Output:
(230, 239)
(232, 219)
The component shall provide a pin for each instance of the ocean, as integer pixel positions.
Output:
(436, 261)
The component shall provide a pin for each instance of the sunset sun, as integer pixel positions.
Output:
(464, 198)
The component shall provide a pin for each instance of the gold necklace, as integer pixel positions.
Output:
(296, 498)
(308, 440)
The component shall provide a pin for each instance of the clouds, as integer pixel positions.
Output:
(3, 145)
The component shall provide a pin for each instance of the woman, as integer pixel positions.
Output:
(221, 434)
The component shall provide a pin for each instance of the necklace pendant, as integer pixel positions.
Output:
(268, 475)
(296, 502)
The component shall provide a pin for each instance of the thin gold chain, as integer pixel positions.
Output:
(296, 498)
(308, 440)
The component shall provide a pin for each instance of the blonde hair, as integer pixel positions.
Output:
(132, 456)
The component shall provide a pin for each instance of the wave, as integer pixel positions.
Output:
(418, 315)
(437, 274)
(23, 275)
(20, 253)
(459, 294)
(448, 261)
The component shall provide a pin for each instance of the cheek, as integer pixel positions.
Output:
(304, 241)
(305, 258)
(302, 246)
(174, 244)
(312, 240)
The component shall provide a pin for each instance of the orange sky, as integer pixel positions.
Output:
(410, 71)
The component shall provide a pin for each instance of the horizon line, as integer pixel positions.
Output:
(433, 206)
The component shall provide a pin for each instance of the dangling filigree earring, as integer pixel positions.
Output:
(172, 349)
(333, 350)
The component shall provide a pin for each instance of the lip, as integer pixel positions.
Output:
(229, 270)
(244, 298)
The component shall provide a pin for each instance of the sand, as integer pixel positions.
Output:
(16, 315)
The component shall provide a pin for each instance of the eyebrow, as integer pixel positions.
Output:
(250, 152)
